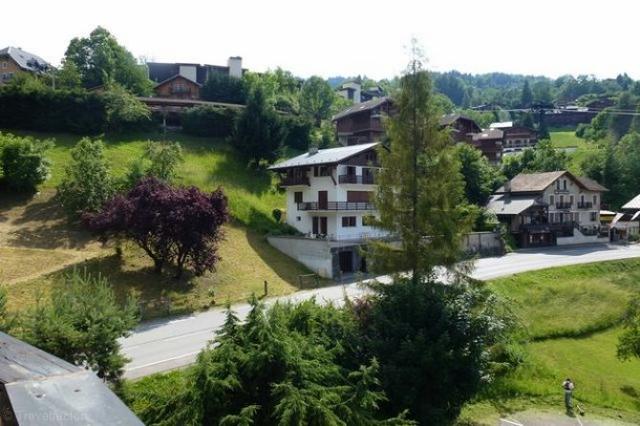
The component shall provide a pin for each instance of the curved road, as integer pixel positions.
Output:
(169, 343)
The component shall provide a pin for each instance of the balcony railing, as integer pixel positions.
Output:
(563, 206)
(585, 205)
(294, 180)
(357, 179)
(335, 205)
(564, 228)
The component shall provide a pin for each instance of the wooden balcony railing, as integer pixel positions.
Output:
(294, 180)
(563, 206)
(356, 179)
(335, 205)
(585, 205)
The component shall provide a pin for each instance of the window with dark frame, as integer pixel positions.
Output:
(348, 221)
(297, 196)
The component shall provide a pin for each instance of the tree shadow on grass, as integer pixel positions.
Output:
(286, 268)
(10, 200)
(156, 294)
(43, 224)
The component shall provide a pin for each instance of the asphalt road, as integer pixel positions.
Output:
(170, 343)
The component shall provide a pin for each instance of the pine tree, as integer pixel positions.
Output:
(526, 97)
(420, 187)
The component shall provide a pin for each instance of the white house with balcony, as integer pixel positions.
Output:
(329, 201)
(551, 208)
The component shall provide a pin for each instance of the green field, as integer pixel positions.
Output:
(571, 317)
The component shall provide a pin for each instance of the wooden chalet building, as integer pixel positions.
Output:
(489, 142)
(462, 128)
(184, 80)
(362, 123)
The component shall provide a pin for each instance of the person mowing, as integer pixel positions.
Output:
(568, 386)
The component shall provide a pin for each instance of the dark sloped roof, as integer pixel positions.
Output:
(25, 60)
(364, 106)
(590, 184)
(537, 182)
(488, 134)
(43, 389)
(449, 119)
(161, 71)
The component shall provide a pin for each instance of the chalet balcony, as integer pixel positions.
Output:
(180, 91)
(356, 179)
(585, 205)
(294, 180)
(563, 228)
(564, 206)
(335, 206)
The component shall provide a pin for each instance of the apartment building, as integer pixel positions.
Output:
(329, 201)
(553, 208)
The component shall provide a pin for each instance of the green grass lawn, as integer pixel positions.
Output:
(572, 315)
(579, 148)
(208, 164)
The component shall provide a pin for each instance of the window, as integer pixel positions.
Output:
(595, 200)
(594, 216)
(4, 65)
(321, 171)
(297, 196)
(571, 200)
(348, 221)
(298, 218)
(564, 184)
(368, 220)
(552, 200)
(558, 184)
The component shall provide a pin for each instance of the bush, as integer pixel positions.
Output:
(224, 88)
(277, 215)
(23, 162)
(87, 183)
(41, 108)
(210, 121)
(297, 132)
(82, 323)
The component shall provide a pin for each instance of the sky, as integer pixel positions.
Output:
(347, 37)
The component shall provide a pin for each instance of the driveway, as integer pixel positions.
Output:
(170, 343)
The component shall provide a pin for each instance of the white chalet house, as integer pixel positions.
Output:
(329, 194)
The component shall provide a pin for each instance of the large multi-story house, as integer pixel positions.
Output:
(14, 61)
(329, 202)
(542, 209)
(362, 123)
(184, 80)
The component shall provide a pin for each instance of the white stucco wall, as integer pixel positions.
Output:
(573, 189)
(303, 220)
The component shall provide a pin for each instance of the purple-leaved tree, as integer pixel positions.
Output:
(171, 224)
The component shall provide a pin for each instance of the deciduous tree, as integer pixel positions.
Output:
(316, 98)
(171, 224)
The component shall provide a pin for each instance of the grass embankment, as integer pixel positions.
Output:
(38, 244)
(577, 148)
(208, 164)
(572, 316)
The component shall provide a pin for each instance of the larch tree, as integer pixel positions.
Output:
(420, 194)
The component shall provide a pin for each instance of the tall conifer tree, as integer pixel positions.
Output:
(420, 187)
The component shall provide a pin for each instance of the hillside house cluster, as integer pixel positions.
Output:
(362, 123)
(353, 91)
(14, 61)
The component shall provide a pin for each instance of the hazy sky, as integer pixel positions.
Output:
(348, 37)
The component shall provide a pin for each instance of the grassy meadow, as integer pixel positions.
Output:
(571, 318)
(38, 245)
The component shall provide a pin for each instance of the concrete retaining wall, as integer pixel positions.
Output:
(312, 253)
(483, 243)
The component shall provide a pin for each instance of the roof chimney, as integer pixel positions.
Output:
(313, 150)
(507, 186)
(235, 66)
